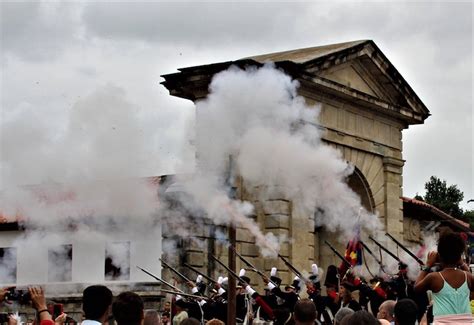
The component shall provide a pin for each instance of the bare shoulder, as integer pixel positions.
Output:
(434, 281)
(429, 282)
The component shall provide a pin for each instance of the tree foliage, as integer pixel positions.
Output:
(469, 217)
(444, 197)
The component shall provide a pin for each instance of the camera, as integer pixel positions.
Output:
(57, 310)
(21, 296)
(3, 318)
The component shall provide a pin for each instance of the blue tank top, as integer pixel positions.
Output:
(451, 301)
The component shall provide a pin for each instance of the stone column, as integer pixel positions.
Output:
(392, 168)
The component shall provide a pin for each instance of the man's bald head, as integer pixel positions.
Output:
(386, 310)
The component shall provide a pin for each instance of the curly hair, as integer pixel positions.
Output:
(451, 246)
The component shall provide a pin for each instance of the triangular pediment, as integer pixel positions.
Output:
(353, 74)
(356, 71)
(349, 75)
(358, 65)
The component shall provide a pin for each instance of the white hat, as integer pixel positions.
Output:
(273, 272)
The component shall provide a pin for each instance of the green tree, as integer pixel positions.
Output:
(469, 216)
(444, 197)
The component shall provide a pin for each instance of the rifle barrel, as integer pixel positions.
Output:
(348, 264)
(371, 253)
(294, 269)
(228, 269)
(251, 266)
(185, 294)
(182, 276)
(200, 273)
(385, 249)
(405, 249)
(159, 279)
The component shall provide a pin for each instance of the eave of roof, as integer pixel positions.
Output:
(305, 55)
(297, 61)
(459, 224)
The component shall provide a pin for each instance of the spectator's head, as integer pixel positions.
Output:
(128, 309)
(305, 312)
(180, 305)
(151, 317)
(190, 321)
(341, 313)
(165, 317)
(282, 315)
(346, 320)
(96, 301)
(386, 310)
(450, 247)
(215, 321)
(345, 290)
(363, 317)
(405, 312)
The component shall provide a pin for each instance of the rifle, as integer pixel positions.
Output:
(386, 250)
(235, 275)
(211, 280)
(405, 249)
(182, 276)
(251, 266)
(382, 267)
(185, 294)
(346, 262)
(292, 268)
(160, 280)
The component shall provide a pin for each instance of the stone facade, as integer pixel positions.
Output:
(365, 105)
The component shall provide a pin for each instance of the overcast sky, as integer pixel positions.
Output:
(58, 58)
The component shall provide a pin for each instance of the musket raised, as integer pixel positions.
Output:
(211, 280)
(385, 250)
(182, 276)
(235, 275)
(294, 269)
(252, 266)
(346, 262)
(372, 254)
(185, 294)
(160, 280)
(405, 249)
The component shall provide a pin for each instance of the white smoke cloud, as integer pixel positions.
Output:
(84, 167)
(95, 157)
(256, 117)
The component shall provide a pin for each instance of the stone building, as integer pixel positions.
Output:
(365, 106)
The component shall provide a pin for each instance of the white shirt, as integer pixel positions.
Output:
(91, 322)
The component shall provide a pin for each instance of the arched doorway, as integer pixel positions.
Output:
(358, 183)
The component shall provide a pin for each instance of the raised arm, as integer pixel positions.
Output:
(424, 280)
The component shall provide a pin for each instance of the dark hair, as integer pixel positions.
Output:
(128, 309)
(305, 311)
(190, 321)
(450, 247)
(341, 313)
(406, 312)
(362, 317)
(96, 300)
